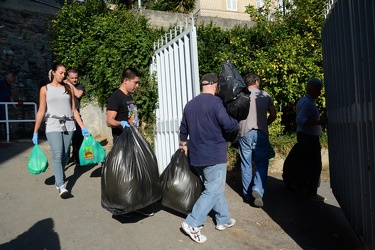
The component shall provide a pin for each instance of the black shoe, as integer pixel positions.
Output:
(145, 211)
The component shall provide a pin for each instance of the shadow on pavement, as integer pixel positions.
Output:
(134, 217)
(78, 172)
(97, 172)
(71, 180)
(40, 236)
(9, 150)
(311, 224)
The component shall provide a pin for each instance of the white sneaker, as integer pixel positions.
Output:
(228, 225)
(193, 232)
(63, 192)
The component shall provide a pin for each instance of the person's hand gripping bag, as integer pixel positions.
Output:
(91, 152)
(38, 162)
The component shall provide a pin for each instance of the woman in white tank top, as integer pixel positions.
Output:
(56, 103)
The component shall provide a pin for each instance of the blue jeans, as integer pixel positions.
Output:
(254, 146)
(59, 142)
(212, 198)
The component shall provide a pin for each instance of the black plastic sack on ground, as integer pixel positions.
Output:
(233, 92)
(292, 166)
(181, 187)
(130, 176)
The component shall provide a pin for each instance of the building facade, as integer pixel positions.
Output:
(231, 9)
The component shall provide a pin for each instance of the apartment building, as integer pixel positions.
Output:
(232, 9)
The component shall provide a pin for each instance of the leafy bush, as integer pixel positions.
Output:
(101, 44)
(181, 6)
(285, 53)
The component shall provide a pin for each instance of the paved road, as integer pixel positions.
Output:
(33, 216)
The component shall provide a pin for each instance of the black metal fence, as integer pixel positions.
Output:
(348, 38)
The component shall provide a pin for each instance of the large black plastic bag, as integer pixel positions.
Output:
(292, 166)
(234, 92)
(180, 185)
(240, 106)
(130, 176)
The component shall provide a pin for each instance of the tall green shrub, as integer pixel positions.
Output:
(285, 52)
(101, 43)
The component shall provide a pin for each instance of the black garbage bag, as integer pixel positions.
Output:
(292, 167)
(181, 187)
(130, 176)
(234, 92)
(240, 106)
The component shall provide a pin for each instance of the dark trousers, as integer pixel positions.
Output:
(312, 162)
(76, 143)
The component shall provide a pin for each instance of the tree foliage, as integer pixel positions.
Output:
(285, 52)
(293, 53)
(180, 6)
(101, 44)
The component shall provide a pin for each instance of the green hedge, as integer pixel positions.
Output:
(285, 52)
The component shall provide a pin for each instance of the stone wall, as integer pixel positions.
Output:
(169, 19)
(25, 50)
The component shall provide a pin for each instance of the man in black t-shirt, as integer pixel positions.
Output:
(121, 109)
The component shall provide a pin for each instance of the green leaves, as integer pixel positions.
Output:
(101, 44)
(285, 52)
(181, 6)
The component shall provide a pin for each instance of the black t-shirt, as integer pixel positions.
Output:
(125, 107)
(77, 101)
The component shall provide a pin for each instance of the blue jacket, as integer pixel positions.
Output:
(204, 120)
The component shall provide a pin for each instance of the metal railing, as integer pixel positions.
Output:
(7, 121)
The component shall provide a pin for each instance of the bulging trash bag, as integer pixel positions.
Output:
(130, 175)
(240, 106)
(292, 166)
(91, 152)
(233, 92)
(38, 161)
(181, 187)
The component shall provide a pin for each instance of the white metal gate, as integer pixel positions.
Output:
(175, 65)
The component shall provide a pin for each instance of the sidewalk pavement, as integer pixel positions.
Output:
(33, 216)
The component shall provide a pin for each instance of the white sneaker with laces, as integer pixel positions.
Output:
(193, 232)
(228, 225)
(63, 192)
